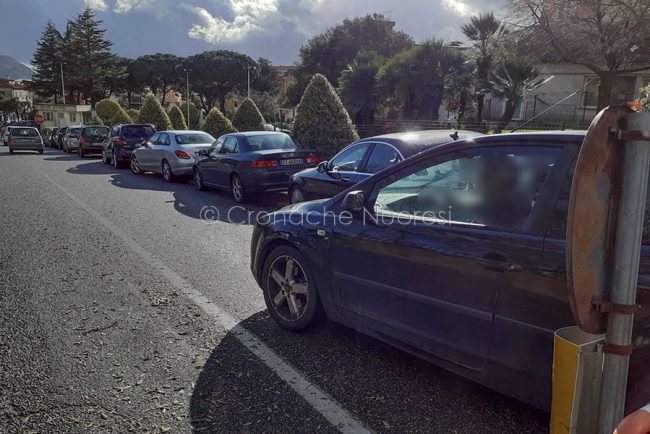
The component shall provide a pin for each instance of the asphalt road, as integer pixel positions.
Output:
(123, 311)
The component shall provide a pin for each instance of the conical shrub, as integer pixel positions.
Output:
(177, 119)
(107, 109)
(216, 124)
(248, 117)
(153, 113)
(120, 117)
(193, 121)
(322, 122)
(133, 114)
(96, 121)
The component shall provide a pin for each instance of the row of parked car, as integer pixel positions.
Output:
(447, 244)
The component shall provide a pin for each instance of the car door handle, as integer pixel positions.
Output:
(345, 179)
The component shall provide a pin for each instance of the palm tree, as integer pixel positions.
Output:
(511, 78)
(481, 30)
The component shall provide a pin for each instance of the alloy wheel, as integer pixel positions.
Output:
(167, 171)
(198, 182)
(135, 167)
(237, 189)
(288, 288)
(296, 195)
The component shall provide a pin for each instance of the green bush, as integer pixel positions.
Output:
(121, 117)
(153, 113)
(177, 119)
(248, 117)
(194, 115)
(106, 109)
(133, 114)
(216, 124)
(322, 122)
(96, 121)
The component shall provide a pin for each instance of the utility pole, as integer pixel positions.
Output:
(62, 83)
(627, 251)
(248, 71)
(187, 84)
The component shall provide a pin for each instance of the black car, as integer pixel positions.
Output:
(361, 159)
(456, 255)
(251, 162)
(122, 140)
(91, 139)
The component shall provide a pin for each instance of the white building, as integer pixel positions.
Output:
(57, 115)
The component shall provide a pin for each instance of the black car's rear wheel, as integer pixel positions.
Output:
(289, 289)
(135, 166)
(237, 189)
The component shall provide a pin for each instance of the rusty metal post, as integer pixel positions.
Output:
(627, 250)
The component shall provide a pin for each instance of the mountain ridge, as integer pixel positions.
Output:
(13, 69)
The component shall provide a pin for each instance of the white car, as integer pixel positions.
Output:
(171, 153)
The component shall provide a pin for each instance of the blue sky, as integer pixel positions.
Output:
(260, 28)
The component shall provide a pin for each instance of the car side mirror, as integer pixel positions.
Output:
(203, 153)
(322, 166)
(354, 201)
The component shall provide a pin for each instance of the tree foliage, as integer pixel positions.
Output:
(332, 51)
(153, 113)
(96, 121)
(322, 122)
(414, 80)
(46, 80)
(120, 117)
(160, 72)
(216, 124)
(357, 86)
(176, 118)
(106, 109)
(610, 38)
(248, 117)
(193, 121)
(134, 114)
(512, 77)
(215, 74)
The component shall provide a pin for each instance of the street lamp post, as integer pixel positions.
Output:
(62, 83)
(248, 73)
(187, 84)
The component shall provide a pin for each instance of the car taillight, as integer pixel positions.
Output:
(12, 140)
(182, 154)
(82, 140)
(120, 142)
(262, 164)
(312, 159)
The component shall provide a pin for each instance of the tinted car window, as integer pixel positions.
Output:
(75, 130)
(265, 142)
(381, 157)
(137, 131)
(95, 132)
(495, 187)
(230, 146)
(216, 146)
(350, 159)
(24, 132)
(189, 139)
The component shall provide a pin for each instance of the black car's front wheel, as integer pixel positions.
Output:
(198, 181)
(296, 195)
(289, 289)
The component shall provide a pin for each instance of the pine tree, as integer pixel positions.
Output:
(248, 117)
(153, 113)
(89, 55)
(216, 124)
(177, 119)
(47, 59)
(322, 122)
(120, 117)
(193, 121)
(134, 114)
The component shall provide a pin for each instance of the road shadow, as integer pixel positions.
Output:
(91, 167)
(61, 156)
(385, 388)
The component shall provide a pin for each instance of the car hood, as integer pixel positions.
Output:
(318, 205)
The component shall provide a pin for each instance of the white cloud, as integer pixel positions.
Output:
(458, 6)
(98, 5)
(248, 16)
(125, 6)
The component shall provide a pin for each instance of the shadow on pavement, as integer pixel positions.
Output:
(384, 388)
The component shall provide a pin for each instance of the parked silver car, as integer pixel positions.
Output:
(71, 138)
(25, 139)
(171, 153)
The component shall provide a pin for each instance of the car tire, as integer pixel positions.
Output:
(237, 189)
(105, 159)
(40, 151)
(135, 166)
(167, 173)
(296, 195)
(116, 163)
(290, 296)
(198, 181)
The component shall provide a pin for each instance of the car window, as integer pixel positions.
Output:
(216, 146)
(559, 217)
(95, 132)
(24, 132)
(230, 146)
(349, 159)
(164, 139)
(381, 157)
(154, 139)
(495, 187)
(75, 131)
(193, 138)
(137, 131)
(263, 142)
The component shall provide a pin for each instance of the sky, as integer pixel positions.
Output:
(274, 29)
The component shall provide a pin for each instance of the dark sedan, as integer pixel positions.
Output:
(456, 255)
(251, 162)
(361, 159)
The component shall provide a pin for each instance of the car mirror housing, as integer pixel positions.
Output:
(354, 201)
(322, 166)
(203, 152)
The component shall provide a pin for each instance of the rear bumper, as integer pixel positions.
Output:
(91, 148)
(261, 180)
(25, 146)
(122, 154)
(182, 167)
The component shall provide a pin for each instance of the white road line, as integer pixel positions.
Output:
(319, 400)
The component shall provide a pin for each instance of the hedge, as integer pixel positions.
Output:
(216, 124)
(177, 119)
(153, 113)
(248, 117)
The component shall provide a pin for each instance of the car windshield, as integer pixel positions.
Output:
(95, 132)
(24, 132)
(265, 142)
(137, 131)
(194, 138)
(75, 131)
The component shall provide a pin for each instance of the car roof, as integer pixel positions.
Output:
(257, 133)
(23, 127)
(183, 132)
(413, 142)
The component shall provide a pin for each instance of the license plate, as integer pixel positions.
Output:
(291, 162)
